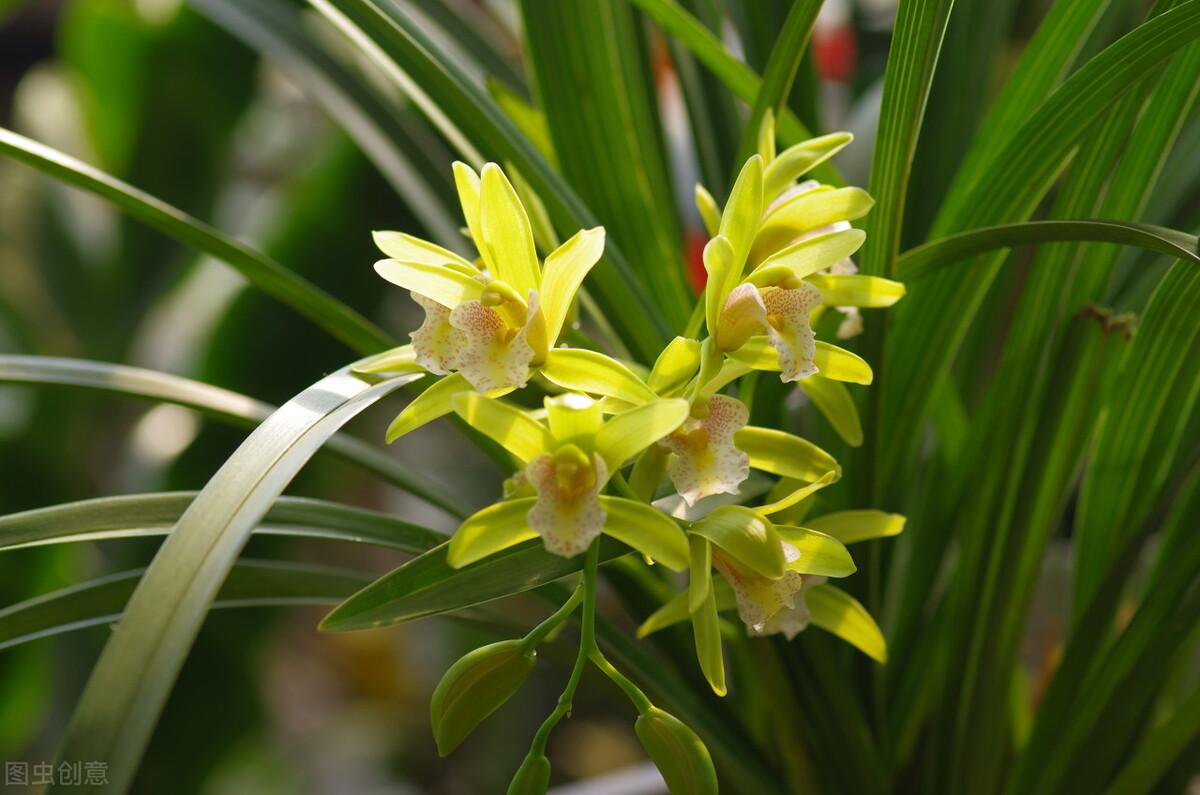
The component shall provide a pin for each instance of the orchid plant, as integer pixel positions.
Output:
(660, 462)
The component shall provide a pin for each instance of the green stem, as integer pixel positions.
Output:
(622, 485)
(539, 633)
(587, 642)
(634, 693)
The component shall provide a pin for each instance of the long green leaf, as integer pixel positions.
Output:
(912, 59)
(130, 683)
(388, 138)
(919, 262)
(221, 404)
(1135, 453)
(428, 585)
(251, 583)
(780, 72)
(1011, 190)
(740, 79)
(594, 83)
(360, 334)
(134, 515)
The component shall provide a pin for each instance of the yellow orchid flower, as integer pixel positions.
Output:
(713, 450)
(486, 326)
(776, 578)
(565, 463)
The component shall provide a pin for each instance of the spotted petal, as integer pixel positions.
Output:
(706, 460)
(493, 354)
(436, 342)
(760, 599)
(789, 331)
(567, 514)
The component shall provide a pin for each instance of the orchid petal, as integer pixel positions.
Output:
(507, 235)
(710, 211)
(746, 536)
(567, 513)
(785, 454)
(834, 401)
(740, 219)
(596, 374)
(486, 532)
(759, 598)
(706, 625)
(706, 459)
(647, 530)
(402, 359)
(434, 402)
(513, 429)
(743, 316)
(574, 419)
(815, 553)
(788, 328)
(836, 611)
(436, 343)
(678, 362)
(801, 158)
(806, 257)
(850, 527)
(628, 433)
(445, 285)
(840, 364)
(492, 355)
(865, 291)
(406, 248)
(809, 210)
(797, 495)
(565, 270)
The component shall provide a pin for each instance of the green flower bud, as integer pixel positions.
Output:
(679, 754)
(532, 778)
(474, 688)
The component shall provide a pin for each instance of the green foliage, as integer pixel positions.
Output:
(1034, 397)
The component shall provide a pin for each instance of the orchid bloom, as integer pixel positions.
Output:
(566, 462)
(487, 325)
(776, 578)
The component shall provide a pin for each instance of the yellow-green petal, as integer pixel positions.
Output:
(496, 527)
(766, 138)
(574, 419)
(706, 626)
(565, 270)
(406, 248)
(592, 372)
(784, 454)
(746, 536)
(836, 611)
(804, 213)
(855, 290)
(710, 212)
(516, 431)
(797, 495)
(803, 259)
(675, 366)
(850, 527)
(506, 232)
(672, 612)
(834, 401)
(739, 221)
(628, 433)
(820, 554)
(699, 571)
(840, 364)
(647, 530)
(445, 285)
(466, 182)
(718, 259)
(434, 402)
(402, 359)
(795, 161)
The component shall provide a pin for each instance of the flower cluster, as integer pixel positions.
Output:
(660, 459)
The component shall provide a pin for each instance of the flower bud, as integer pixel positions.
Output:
(677, 752)
(532, 778)
(474, 688)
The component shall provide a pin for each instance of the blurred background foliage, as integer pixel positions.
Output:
(157, 94)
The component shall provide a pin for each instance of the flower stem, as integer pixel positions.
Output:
(587, 642)
(634, 693)
(539, 633)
